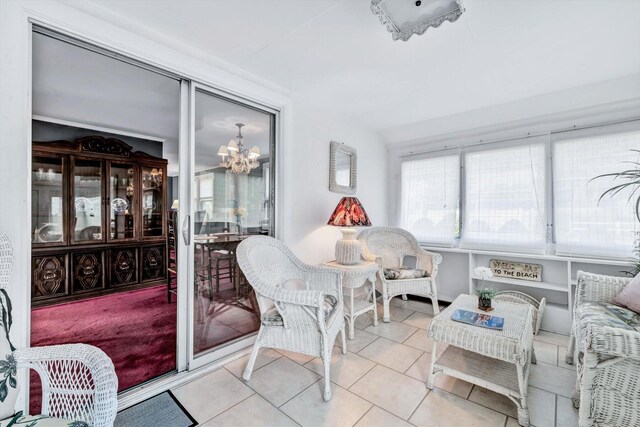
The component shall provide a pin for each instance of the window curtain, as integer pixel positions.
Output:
(430, 193)
(505, 197)
(584, 226)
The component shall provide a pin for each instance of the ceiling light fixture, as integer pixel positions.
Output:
(405, 18)
(240, 159)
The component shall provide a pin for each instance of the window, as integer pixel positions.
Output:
(505, 198)
(582, 225)
(429, 198)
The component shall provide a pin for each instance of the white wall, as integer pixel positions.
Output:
(310, 202)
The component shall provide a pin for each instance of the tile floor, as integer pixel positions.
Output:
(379, 382)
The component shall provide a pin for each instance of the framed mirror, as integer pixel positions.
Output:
(343, 168)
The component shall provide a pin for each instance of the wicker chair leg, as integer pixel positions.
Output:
(344, 340)
(252, 359)
(326, 359)
(571, 350)
(436, 307)
(404, 297)
(386, 316)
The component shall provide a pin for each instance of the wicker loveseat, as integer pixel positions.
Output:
(605, 345)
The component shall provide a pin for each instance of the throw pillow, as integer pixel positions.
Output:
(630, 296)
(8, 368)
(402, 272)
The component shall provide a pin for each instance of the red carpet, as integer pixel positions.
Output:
(136, 329)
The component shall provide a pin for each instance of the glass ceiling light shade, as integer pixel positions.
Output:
(405, 18)
(240, 159)
(349, 213)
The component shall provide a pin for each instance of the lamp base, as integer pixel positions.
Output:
(348, 248)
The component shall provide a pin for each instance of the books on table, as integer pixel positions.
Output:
(478, 319)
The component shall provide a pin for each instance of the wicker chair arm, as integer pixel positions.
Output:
(370, 256)
(311, 298)
(610, 341)
(325, 279)
(78, 382)
(428, 260)
(598, 287)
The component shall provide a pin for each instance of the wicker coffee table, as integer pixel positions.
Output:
(496, 360)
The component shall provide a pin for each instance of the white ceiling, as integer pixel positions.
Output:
(337, 55)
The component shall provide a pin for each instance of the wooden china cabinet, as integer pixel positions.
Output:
(98, 219)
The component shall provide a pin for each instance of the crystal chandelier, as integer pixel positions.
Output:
(240, 160)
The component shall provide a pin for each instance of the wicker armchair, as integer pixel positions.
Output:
(300, 305)
(78, 381)
(608, 360)
(388, 246)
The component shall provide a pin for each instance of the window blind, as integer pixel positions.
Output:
(430, 193)
(584, 227)
(505, 197)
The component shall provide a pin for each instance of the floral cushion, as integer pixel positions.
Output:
(400, 273)
(607, 314)
(40, 421)
(8, 367)
(273, 318)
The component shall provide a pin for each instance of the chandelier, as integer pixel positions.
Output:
(406, 18)
(240, 160)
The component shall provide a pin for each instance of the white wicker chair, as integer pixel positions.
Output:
(78, 381)
(608, 360)
(388, 246)
(292, 318)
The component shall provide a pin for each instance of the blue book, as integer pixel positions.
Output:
(478, 319)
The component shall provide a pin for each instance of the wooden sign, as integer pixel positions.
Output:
(516, 270)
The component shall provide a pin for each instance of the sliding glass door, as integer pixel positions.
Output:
(231, 198)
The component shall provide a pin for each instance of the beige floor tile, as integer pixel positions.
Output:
(393, 330)
(346, 369)
(397, 313)
(552, 338)
(282, 379)
(397, 301)
(265, 355)
(566, 414)
(299, 358)
(422, 307)
(562, 359)
(391, 354)
(546, 352)
(196, 396)
(363, 321)
(512, 422)
(418, 320)
(359, 341)
(309, 409)
(440, 408)
(377, 417)
(252, 412)
(420, 340)
(541, 404)
(553, 379)
(390, 390)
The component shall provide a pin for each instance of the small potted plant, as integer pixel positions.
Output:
(485, 295)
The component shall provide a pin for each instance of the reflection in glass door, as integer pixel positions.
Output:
(232, 199)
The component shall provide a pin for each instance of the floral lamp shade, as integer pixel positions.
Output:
(349, 213)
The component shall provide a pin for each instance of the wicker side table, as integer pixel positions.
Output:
(496, 360)
(354, 277)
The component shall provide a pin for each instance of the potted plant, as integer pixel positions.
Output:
(485, 295)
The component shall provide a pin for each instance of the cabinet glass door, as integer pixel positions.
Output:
(121, 201)
(152, 201)
(87, 201)
(47, 205)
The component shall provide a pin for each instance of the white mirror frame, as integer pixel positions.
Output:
(338, 147)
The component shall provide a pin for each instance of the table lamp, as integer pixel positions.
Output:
(349, 213)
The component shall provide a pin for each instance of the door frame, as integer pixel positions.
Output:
(224, 350)
(118, 41)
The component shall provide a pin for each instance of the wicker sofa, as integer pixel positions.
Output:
(607, 355)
